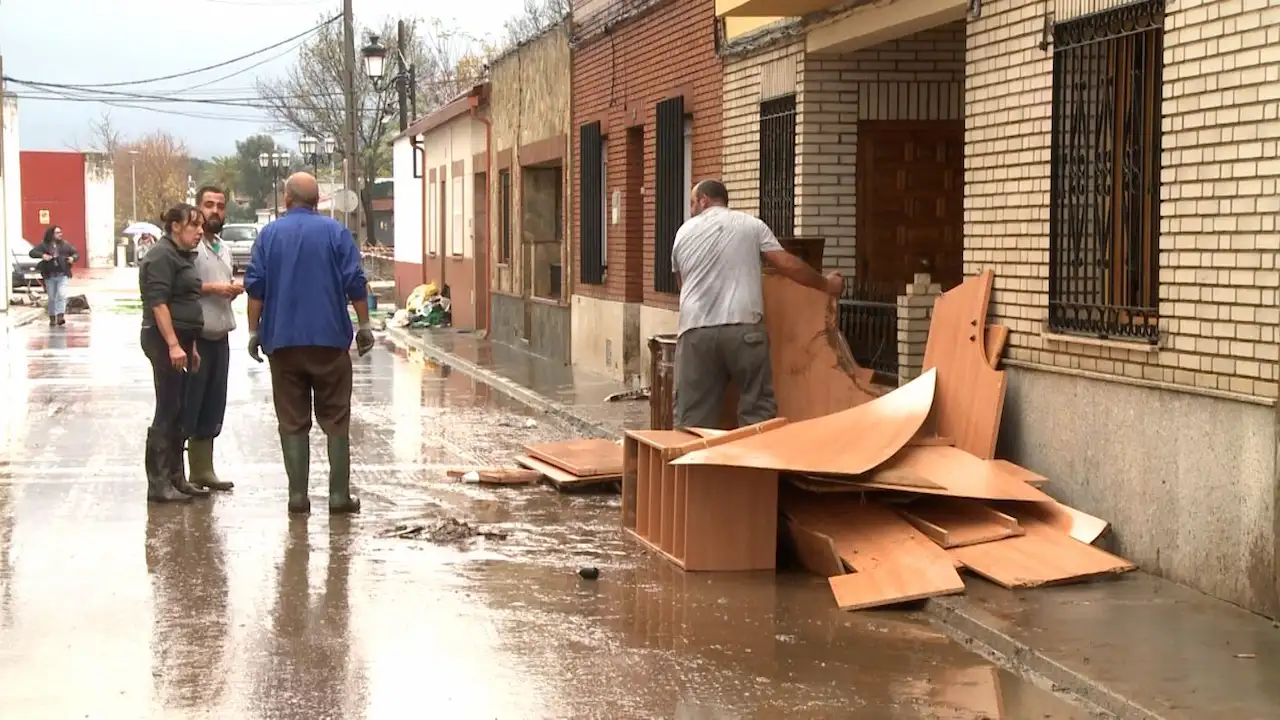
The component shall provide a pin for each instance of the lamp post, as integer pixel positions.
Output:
(133, 181)
(375, 65)
(314, 152)
(275, 162)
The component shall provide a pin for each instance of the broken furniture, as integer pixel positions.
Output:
(575, 464)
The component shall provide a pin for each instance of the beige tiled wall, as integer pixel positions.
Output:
(747, 82)
(1221, 163)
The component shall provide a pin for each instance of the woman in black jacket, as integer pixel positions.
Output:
(171, 322)
(55, 255)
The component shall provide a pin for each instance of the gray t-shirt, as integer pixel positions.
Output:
(717, 254)
(219, 318)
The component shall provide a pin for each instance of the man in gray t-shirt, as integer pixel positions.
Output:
(717, 260)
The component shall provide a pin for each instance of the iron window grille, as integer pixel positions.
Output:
(504, 191)
(669, 190)
(778, 165)
(1104, 215)
(591, 180)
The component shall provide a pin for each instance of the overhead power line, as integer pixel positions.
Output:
(215, 66)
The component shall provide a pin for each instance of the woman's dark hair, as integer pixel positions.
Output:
(49, 233)
(182, 214)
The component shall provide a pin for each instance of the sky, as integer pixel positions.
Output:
(88, 41)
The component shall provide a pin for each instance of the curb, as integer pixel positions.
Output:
(963, 622)
(507, 387)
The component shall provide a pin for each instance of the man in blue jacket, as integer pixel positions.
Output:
(304, 270)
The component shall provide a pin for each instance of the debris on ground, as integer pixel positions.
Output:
(589, 573)
(446, 530)
(496, 476)
(639, 394)
(575, 464)
(888, 494)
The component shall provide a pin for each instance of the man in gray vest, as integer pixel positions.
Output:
(207, 389)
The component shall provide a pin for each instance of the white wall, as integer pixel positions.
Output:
(99, 210)
(407, 208)
(10, 192)
(459, 139)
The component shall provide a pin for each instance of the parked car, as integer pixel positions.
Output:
(25, 273)
(240, 237)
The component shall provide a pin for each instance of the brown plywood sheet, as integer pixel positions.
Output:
(956, 472)
(564, 479)
(811, 484)
(970, 396)
(814, 373)
(815, 551)
(1080, 525)
(707, 432)
(893, 562)
(723, 438)
(846, 443)
(996, 338)
(1043, 556)
(955, 522)
(583, 457)
(1020, 473)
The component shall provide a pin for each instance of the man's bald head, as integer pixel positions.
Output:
(301, 189)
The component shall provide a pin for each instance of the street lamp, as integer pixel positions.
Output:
(133, 181)
(275, 162)
(315, 153)
(375, 66)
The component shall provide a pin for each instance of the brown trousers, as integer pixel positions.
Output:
(299, 374)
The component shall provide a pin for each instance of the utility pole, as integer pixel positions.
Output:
(133, 182)
(352, 141)
(403, 79)
(6, 257)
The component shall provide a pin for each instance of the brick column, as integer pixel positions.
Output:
(915, 309)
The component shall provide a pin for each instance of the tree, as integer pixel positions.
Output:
(162, 165)
(255, 183)
(537, 16)
(309, 99)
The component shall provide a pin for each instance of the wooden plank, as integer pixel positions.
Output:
(1020, 473)
(498, 475)
(958, 474)
(562, 479)
(1043, 556)
(583, 457)
(706, 432)
(825, 445)
(723, 438)
(894, 563)
(1079, 525)
(952, 522)
(811, 484)
(661, 439)
(997, 336)
(970, 397)
(814, 373)
(815, 551)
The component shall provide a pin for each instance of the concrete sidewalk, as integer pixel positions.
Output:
(1136, 647)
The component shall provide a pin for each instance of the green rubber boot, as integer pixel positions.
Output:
(297, 465)
(341, 501)
(159, 487)
(200, 456)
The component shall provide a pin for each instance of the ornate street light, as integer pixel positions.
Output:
(276, 162)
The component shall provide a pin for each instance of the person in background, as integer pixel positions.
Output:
(304, 270)
(56, 256)
(206, 395)
(171, 321)
(717, 261)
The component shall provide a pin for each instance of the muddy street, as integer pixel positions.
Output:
(227, 608)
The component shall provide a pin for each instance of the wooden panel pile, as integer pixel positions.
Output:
(700, 518)
(887, 496)
(575, 464)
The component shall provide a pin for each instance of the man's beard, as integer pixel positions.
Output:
(213, 225)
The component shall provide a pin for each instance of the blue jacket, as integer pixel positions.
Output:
(305, 268)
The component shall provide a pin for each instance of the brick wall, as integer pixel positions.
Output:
(1221, 163)
(919, 77)
(640, 62)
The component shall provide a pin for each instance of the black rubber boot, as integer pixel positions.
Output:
(178, 471)
(297, 465)
(159, 487)
(341, 501)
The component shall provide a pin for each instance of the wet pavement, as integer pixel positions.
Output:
(227, 608)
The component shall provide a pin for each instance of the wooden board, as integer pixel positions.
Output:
(814, 373)
(1080, 525)
(584, 457)
(723, 438)
(706, 432)
(953, 522)
(811, 484)
(1043, 556)
(956, 472)
(1020, 473)
(498, 475)
(563, 479)
(815, 551)
(970, 396)
(892, 561)
(846, 443)
(996, 338)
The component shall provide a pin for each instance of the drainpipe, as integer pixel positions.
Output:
(488, 181)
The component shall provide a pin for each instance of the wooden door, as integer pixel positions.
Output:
(910, 200)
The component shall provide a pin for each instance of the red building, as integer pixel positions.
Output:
(76, 192)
